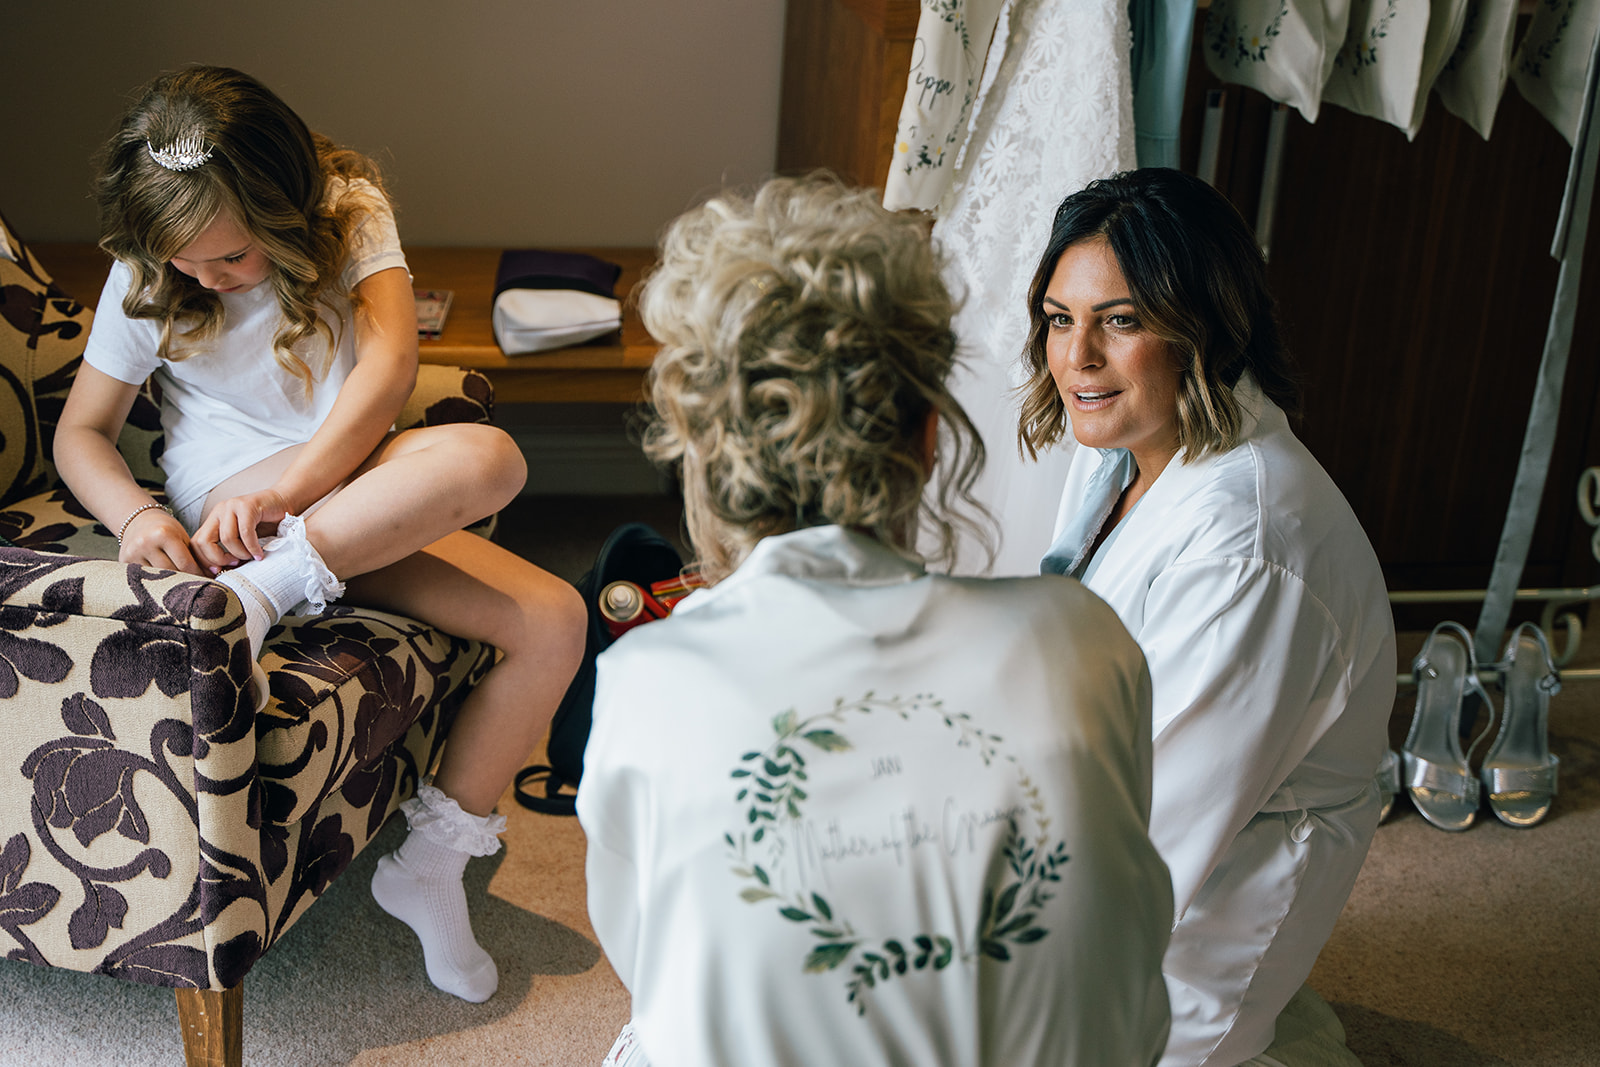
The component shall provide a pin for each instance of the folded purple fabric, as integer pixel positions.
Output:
(531, 268)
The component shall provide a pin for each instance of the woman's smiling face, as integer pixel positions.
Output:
(1118, 380)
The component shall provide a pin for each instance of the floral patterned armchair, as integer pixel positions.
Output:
(153, 826)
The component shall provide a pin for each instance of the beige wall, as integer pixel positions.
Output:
(498, 122)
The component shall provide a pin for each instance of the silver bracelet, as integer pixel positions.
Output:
(136, 513)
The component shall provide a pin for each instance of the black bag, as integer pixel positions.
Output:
(634, 553)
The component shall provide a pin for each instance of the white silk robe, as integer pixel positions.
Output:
(833, 765)
(1260, 607)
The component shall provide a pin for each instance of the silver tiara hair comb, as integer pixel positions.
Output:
(186, 153)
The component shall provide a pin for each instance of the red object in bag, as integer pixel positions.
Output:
(624, 605)
(671, 590)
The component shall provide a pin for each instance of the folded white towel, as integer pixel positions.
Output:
(536, 320)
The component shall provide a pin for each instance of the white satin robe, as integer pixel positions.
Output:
(1261, 609)
(926, 712)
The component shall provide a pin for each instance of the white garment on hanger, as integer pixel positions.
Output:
(1378, 69)
(1475, 74)
(1055, 112)
(1551, 66)
(946, 66)
(1283, 48)
(1446, 19)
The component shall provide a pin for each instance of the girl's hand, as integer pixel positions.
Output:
(157, 540)
(229, 535)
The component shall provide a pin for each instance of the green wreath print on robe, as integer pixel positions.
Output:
(774, 782)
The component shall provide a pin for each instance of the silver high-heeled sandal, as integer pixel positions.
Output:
(1519, 772)
(1438, 775)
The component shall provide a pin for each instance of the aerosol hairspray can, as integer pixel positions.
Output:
(624, 605)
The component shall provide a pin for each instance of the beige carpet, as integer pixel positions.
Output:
(346, 984)
(1457, 950)
(1480, 948)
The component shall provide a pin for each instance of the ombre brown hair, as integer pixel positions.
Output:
(266, 169)
(805, 337)
(1197, 280)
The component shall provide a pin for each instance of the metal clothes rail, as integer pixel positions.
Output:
(1556, 601)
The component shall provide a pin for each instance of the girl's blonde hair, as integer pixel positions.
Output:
(805, 338)
(266, 169)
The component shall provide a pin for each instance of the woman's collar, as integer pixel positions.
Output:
(819, 554)
(1253, 404)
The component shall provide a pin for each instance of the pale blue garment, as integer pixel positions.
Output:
(1069, 552)
(1161, 33)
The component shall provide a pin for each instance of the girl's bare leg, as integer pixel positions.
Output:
(426, 482)
(466, 586)
(415, 488)
(393, 533)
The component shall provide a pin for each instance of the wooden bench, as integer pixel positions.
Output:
(610, 370)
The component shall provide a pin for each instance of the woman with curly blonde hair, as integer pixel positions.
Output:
(839, 809)
(259, 281)
(765, 331)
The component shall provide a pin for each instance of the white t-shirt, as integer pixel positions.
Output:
(229, 405)
(843, 811)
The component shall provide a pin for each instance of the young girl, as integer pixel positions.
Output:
(259, 278)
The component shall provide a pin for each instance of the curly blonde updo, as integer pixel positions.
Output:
(805, 338)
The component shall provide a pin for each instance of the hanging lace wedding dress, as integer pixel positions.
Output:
(1055, 112)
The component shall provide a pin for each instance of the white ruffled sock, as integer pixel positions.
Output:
(626, 1052)
(289, 573)
(420, 884)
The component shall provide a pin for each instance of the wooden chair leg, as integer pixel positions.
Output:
(212, 1022)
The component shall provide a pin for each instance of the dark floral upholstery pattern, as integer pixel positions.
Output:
(42, 331)
(153, 826)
